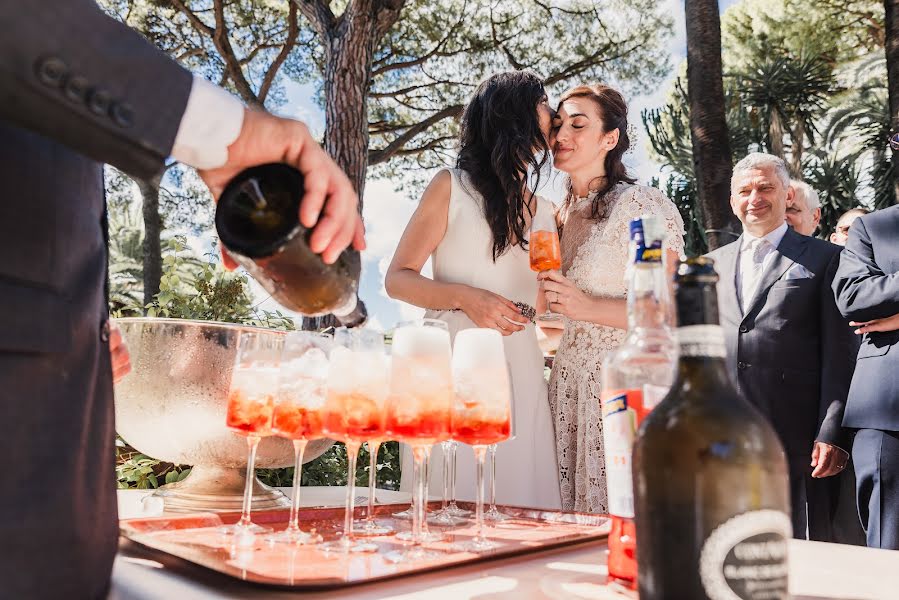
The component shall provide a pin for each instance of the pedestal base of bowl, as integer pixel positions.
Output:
(217, 489)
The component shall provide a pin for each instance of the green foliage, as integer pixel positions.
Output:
(331, 468)
(805, 80)
(139, 471)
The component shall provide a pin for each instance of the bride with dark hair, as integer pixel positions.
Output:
(473, 222)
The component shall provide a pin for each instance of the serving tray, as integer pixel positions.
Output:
(195, 538)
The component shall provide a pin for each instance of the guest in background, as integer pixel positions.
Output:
(804, 211)
(789, 350)
(841, 231)
(867, 292)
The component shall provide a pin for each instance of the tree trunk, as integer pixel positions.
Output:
(152, 255)
(712, 162)
(891, 34)
(348, 58)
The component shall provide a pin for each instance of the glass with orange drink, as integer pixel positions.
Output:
(251, 398)
(358, 383)
(419, 406)
(298, 413)
(482, 407)
(545, 250)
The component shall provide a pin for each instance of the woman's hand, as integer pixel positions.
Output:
(885, 324)
(492, 311)
(565, 298)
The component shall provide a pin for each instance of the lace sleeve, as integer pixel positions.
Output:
(643, 200)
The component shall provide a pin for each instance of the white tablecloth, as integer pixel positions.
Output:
(817, 571)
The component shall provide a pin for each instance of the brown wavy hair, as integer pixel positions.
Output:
(613, 112)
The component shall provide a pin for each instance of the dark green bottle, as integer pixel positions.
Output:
(257, 219)
(710, 475)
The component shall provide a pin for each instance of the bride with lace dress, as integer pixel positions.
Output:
(590, 136)
(472, 222)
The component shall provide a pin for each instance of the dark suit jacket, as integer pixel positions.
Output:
(76, 87)
(791, 353)
(867, 287)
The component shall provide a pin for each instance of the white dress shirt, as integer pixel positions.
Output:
(756, 255)
(211, 122)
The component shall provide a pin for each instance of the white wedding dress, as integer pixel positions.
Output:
(594, 258)
(526, 468)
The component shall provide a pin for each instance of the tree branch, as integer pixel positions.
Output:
(293, 32)
(193, 18)
(383, 154)
(319, 15)
(232, 64)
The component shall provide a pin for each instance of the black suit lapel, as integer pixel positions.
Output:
(791, 248)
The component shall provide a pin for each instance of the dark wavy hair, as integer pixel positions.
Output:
(499, 141)
(613, 112)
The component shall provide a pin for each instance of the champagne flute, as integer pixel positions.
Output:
(453, 508)
(418, 409)
(358, 383)
(298, 413)
(545, 251)
(493, 513)
(254, 383)
(482, 408)
(446, 516)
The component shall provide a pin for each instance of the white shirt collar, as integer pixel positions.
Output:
(773, 237)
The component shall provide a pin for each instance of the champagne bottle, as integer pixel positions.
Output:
(635, 377)
(710, 476)
(257, 219)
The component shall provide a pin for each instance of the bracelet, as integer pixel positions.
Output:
(525, 310)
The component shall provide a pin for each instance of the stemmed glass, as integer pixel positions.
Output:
(358, 383)
(545, 251)
(418, 409)
(369, 527)
(298, 413)
(449, 514)
(254, 383)
(493, 513)
(482, 408)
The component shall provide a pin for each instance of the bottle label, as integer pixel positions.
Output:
(745, 558)
(622, 413)
(701, 340)
(649, 254)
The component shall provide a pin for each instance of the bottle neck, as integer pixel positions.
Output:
(647, 296)
(700, 338)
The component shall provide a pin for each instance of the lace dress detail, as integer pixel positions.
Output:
(594, 257)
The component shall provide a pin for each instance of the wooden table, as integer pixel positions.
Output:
(817, 571)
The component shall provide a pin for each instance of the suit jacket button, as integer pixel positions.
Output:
(744, 328)
(98, 102)
(51, 71)
(742, 366)
(122, 114)
(75, 88)
(104, 332)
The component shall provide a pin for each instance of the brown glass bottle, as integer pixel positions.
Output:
(257, 219)
(710, 476)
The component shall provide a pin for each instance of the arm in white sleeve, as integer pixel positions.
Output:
(211, 123)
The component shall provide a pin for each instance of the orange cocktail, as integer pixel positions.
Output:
(250, 413)
(354, 416)
(545, 251)
(297, 422)
(480, 432)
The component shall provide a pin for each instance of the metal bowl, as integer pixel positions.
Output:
(172, 407)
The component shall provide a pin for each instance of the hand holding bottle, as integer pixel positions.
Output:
(329, 204)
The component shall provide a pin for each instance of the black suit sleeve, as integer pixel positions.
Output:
(863, 291)
(839, 347)
(71, 73)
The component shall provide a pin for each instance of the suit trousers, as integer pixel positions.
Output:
(876, 457)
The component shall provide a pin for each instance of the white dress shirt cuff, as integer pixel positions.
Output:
(211, 122)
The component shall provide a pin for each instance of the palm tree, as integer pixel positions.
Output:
(708, 124)
(891, 43)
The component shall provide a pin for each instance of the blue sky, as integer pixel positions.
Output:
(387, 211)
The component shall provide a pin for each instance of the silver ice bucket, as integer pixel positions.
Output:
(172, 407)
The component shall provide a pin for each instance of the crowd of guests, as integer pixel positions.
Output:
(795, 308)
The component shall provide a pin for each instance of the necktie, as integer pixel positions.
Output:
(753, 259)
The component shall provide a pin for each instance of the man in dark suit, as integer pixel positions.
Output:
(867, 291)
(789, 351)
(77, 89)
